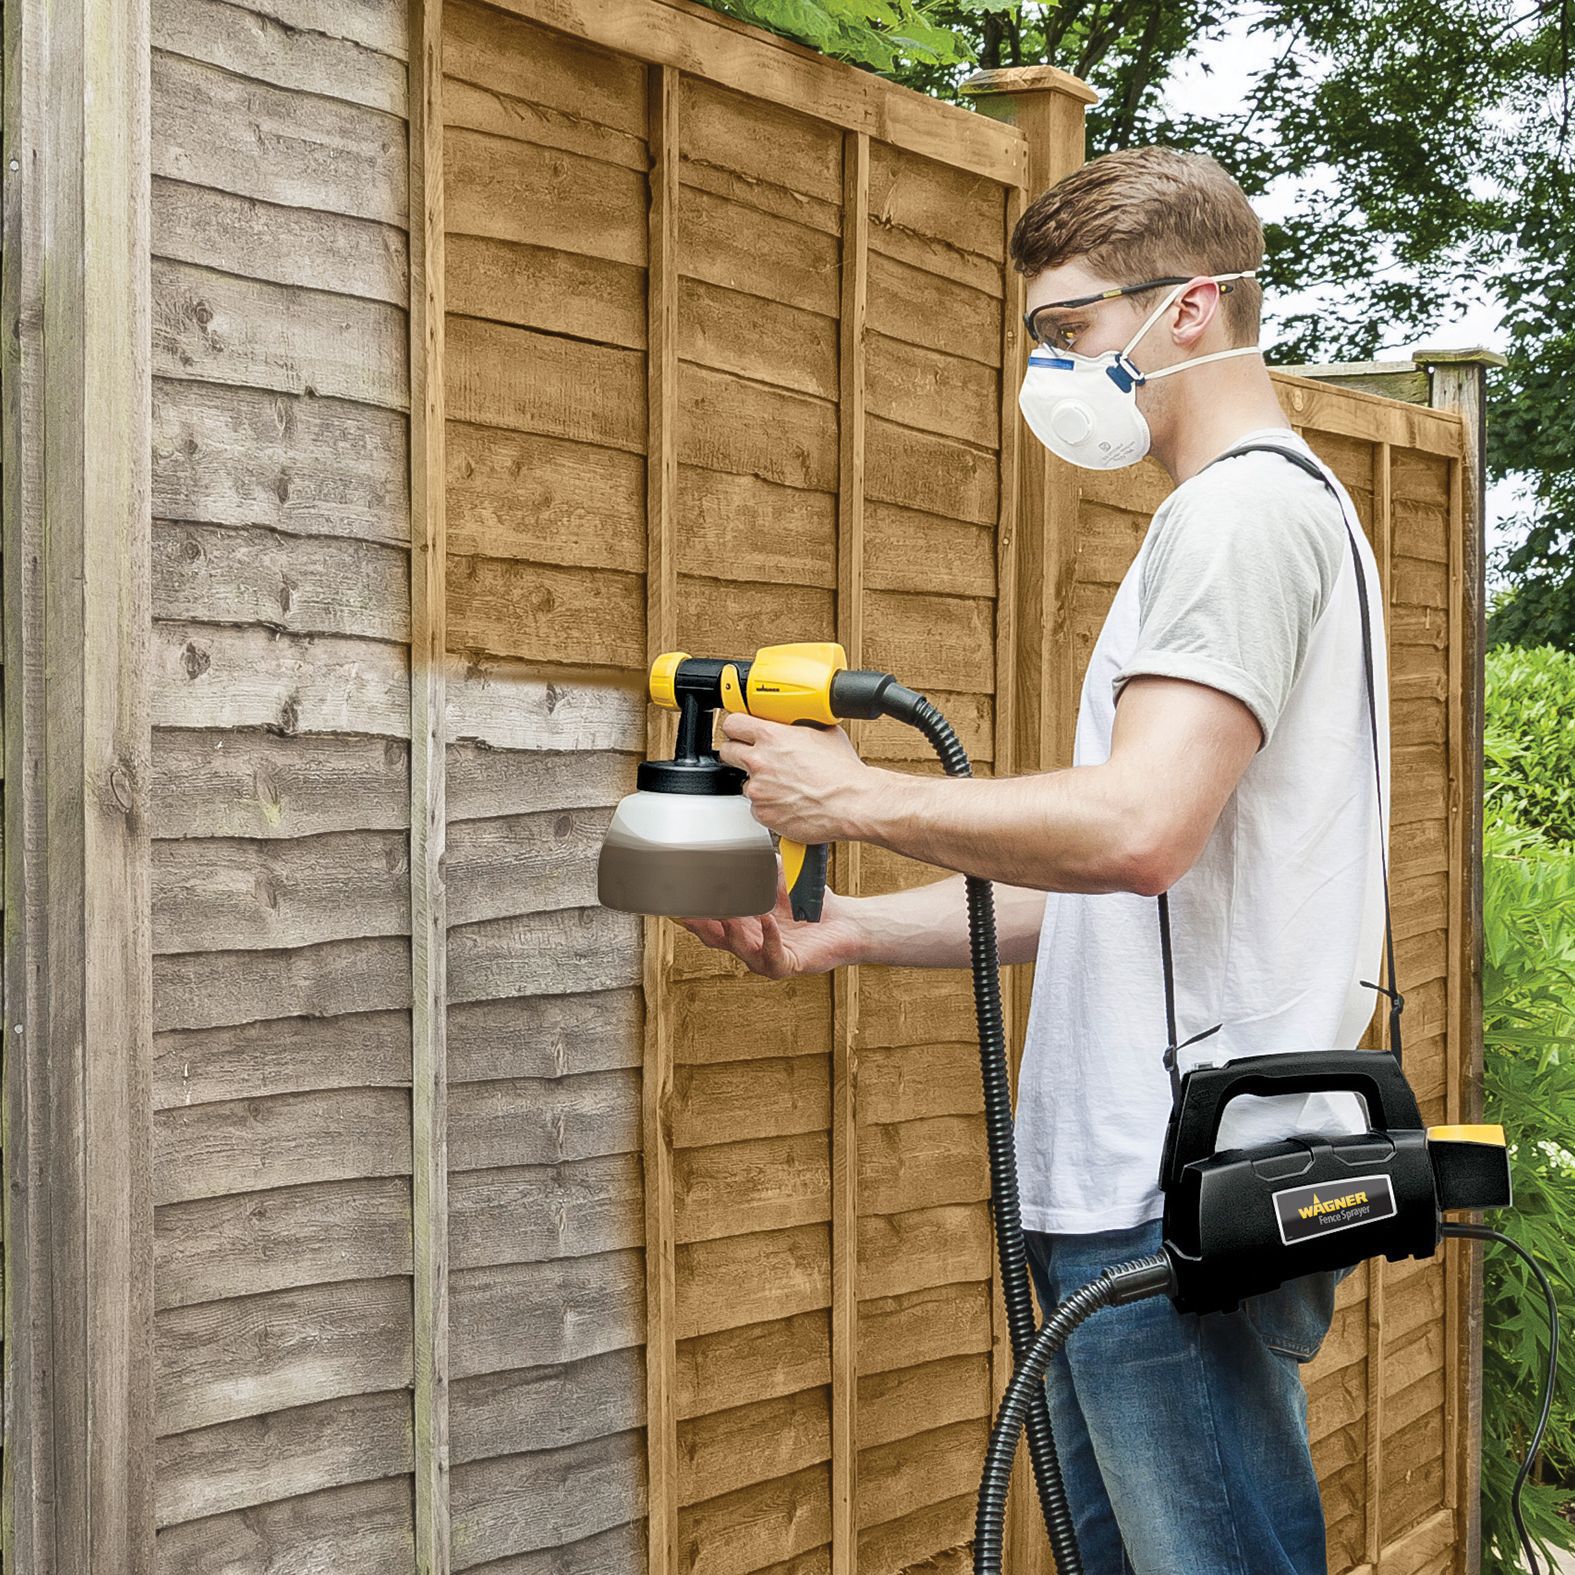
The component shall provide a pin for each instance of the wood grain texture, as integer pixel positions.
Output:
(78, 1245)
(429, 1105)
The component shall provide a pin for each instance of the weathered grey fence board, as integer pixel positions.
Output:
(248, 1145)
(259, 1459)
(245, 137)
(245, 783)
(280, 1056)
(293, 1235)
(218, 1361)
(250, 44)
(246, 456)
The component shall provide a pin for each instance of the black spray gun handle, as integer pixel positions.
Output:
(805, 867)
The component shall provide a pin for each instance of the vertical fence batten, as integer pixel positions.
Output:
(661, 635)
(428, 799)
(844, 1136)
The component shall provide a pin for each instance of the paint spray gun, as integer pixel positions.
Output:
(686, 842)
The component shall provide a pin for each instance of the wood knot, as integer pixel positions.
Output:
(195, 660)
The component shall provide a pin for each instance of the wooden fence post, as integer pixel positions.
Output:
(78, 969)
(1047, 106)
(1458, 382)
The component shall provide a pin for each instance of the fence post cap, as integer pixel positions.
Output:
(1478, 355)
(1029, 79)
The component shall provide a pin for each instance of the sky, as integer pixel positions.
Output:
(1233, 59)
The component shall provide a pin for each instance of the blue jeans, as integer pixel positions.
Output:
(1183, 1437)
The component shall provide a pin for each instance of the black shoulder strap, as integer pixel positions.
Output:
(1396, 1000)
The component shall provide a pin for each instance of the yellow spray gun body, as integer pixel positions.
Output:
(808, 683)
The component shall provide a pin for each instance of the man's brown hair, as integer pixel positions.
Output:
(1149, 213)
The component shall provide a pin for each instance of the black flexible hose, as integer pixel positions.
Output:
(1477, 1232)
(1123, 1282)
(911, 707)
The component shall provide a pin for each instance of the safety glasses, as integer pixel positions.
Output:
(1058, 336)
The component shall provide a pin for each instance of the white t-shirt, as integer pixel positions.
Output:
(1243, 582)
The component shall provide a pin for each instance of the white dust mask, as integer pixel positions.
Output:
(1084, 408)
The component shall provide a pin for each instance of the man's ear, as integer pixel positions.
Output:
(1177, 749)
(1199, 304)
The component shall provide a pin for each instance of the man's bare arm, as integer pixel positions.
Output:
(1135, 822)
(927, 926)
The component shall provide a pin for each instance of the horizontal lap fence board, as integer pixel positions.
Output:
(492, 350)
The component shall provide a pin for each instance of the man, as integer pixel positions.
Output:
(1235, 775)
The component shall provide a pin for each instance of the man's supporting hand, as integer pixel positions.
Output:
(781, 947)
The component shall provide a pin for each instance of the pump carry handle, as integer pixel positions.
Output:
(1206, 1090)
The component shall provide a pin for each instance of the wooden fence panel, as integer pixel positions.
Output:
(544, 158)
(281, 797)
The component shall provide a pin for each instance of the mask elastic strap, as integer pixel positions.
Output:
(1198, 360)
(1153, 317)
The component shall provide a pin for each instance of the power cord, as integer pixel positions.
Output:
(1487, 1233)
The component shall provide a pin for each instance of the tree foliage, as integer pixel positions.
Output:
(1428, 146)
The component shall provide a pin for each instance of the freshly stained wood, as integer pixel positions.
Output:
(544, 67)
(763, 141)
(531, 382)
(790, 1274)
(523, 495)
(721, 511)
(728, 1188)
(920, 1326)
(731, 1449)
(500, 607)
(745, 1099)
(508, 190)
(721, 1018)
(766, 341)
(739, 1531)
(756, 1361)
(739, 248)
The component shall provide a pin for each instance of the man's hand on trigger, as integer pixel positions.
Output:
(805, 783)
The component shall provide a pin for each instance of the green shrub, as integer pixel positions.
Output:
(1528, 765)
(879, 34)
(1528, 999)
